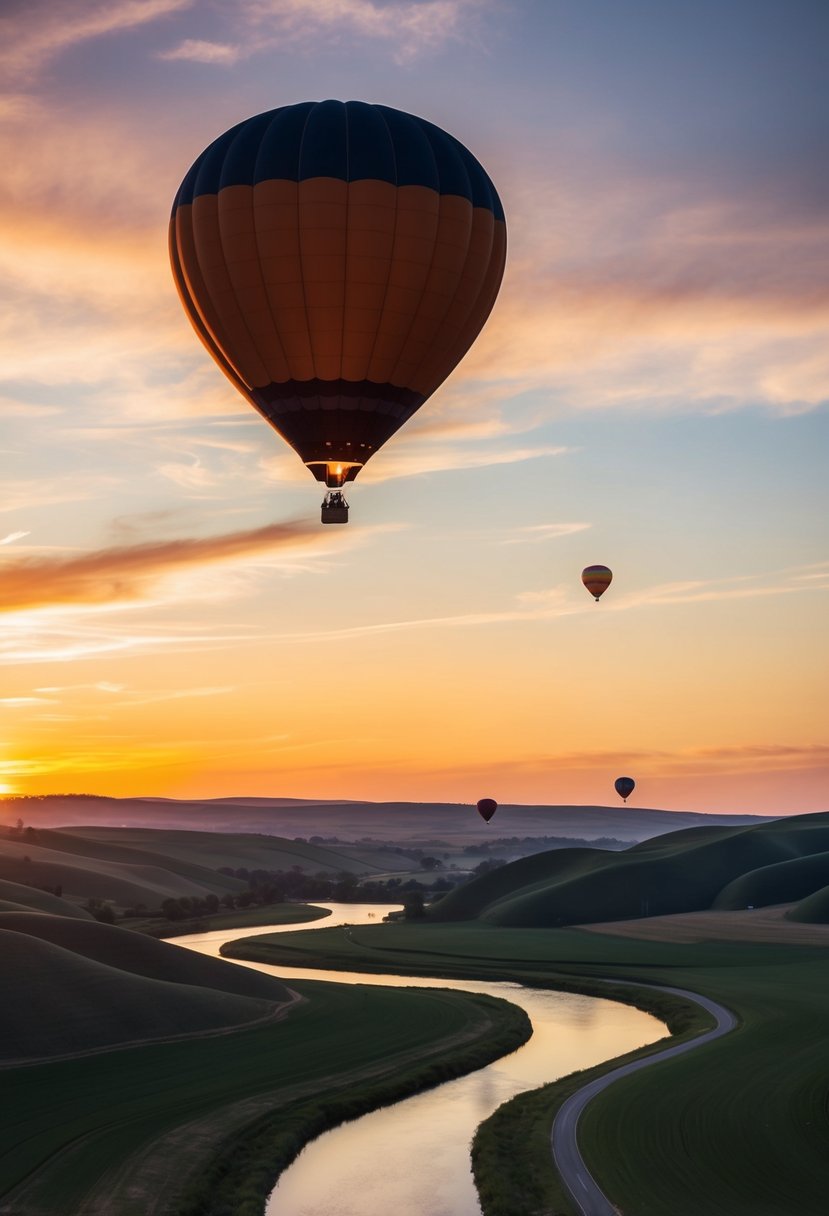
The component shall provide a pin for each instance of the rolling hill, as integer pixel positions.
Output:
(813, 910)
(684, 871)
(17, 897)
(127, 867)
(355, 820)
(58, 1002)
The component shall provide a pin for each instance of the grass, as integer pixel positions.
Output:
(242, 918)
(57, 1001)
(738, 1128)
(221, 1116)
(682, 871)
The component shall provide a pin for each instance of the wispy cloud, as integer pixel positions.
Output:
(536, 533)
(410, 28)
(125, 573)
(38, 31)
(197, 50)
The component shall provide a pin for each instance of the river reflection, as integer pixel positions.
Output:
(412, 1158)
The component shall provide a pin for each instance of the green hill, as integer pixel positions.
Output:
(680, 872)
(143, 956)
(777, 884)
(191, 853)
(57, 1002)
(813, 910)
(32, 899)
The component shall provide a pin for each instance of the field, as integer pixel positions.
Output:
(739, 1129)
(170, 1120)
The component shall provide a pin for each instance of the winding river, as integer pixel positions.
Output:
(412, 1158)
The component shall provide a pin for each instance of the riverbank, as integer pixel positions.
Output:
(143, 1127)
(736, 1129)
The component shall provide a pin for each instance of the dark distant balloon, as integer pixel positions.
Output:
(487, 808)
(596, 579)
(337, 259)
(625, 787)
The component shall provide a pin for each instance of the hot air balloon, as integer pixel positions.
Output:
(487, 808)
(624, 787)
(596, 579)
(337, 259)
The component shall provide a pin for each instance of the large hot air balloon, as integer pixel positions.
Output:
(597, 579)
(624, 787)
(337, 259)
(487, 808)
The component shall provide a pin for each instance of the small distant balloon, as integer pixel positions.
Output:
(625, 787)
(597, 579)
(487, 808)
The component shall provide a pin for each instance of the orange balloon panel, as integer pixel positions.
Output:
(337, 260)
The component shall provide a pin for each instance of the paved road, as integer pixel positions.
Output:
(583, 1189)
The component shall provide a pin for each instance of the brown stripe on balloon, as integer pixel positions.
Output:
(445, 351)
(240, 349)
(486, 297)
(322, 243)
(195, 314)
(416, 226)
(275, 214)
(448, 257)
(193, 283)
(372, 212)
(238, 235)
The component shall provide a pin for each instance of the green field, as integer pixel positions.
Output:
(685, 871)
(738, 1129)
(222, 1115)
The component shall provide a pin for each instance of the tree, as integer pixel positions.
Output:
(431, 863)
(413, 905)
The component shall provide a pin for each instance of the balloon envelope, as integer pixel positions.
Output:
(597, 579)
(337, 259)
(624, 787)
(487, 808)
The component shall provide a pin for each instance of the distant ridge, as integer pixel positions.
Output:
(355, 820)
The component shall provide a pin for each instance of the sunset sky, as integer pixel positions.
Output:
(650, 392)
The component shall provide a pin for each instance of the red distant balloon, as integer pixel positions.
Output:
(487, 808)
(596, 579)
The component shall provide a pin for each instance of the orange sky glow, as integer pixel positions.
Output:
(650, 392)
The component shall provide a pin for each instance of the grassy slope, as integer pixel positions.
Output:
(14, 893)
(57, 1001)
(738, 1129)
(680, 872)
(214, 849)
(147, 867)
(75, 1133)
(134, 954)
(777, 884)
(814, 910)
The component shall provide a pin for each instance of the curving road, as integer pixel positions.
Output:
(579, 1183)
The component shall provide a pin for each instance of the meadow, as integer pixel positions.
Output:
(204, 1125)
(737, 1129)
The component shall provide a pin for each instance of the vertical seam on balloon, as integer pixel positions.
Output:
(405, 342)
(299, 243)
(198, 322)
(466, 259)
(258, 247)
(239, 309)
(393, 243)
(450, 306)
(345, 253)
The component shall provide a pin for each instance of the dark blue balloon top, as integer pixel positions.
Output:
(350, 140)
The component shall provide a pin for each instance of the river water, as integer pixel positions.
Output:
(412, 1158)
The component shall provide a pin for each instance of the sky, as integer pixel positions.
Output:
(649, 392)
